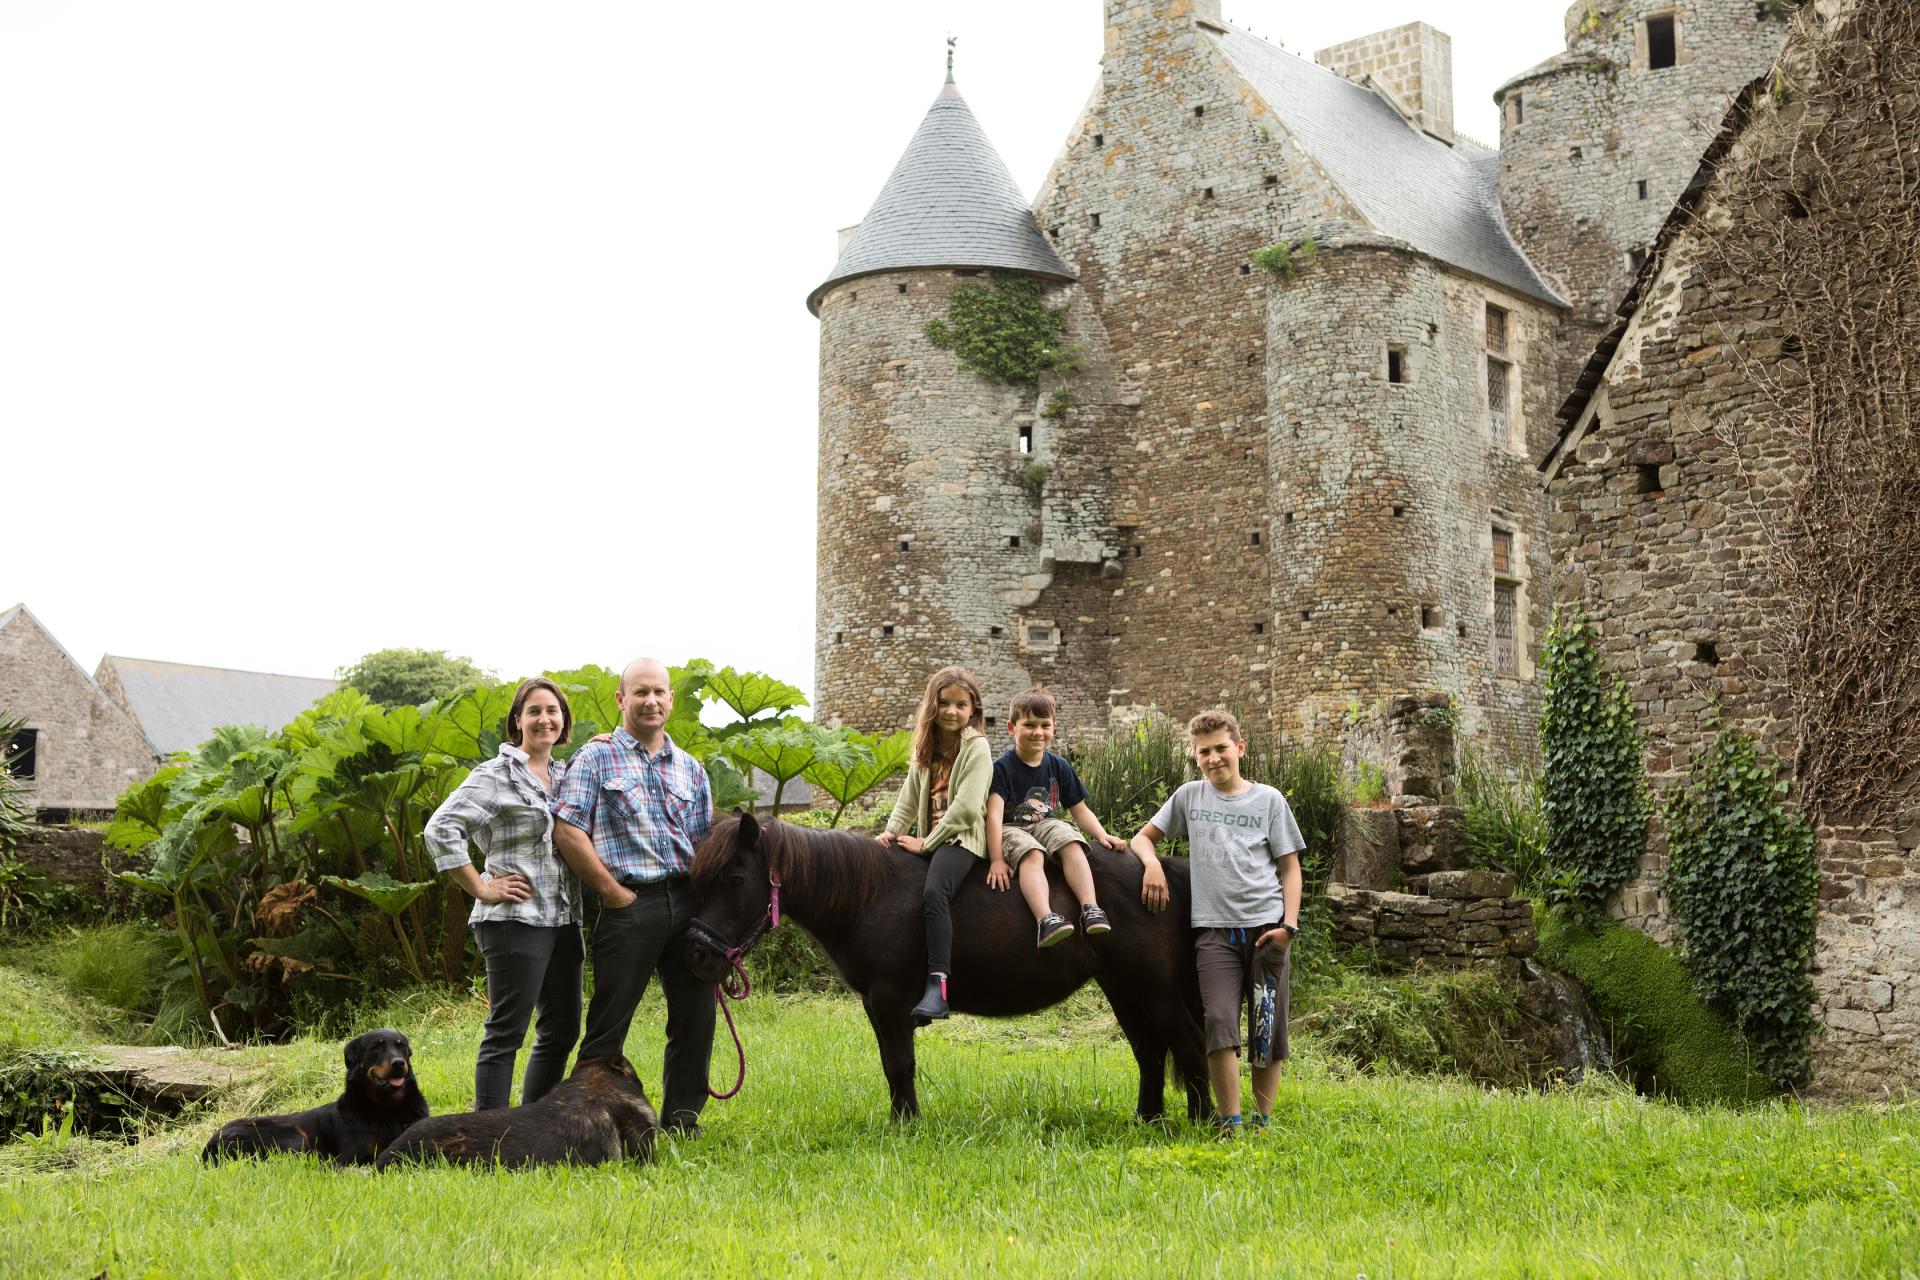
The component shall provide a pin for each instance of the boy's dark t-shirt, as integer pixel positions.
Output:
(1033, 792)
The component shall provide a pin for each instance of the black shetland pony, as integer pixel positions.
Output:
(861, 900)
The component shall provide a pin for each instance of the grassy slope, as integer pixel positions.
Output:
(1025, 1160)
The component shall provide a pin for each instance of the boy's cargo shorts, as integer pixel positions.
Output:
(1229, 968)
(1048, 836)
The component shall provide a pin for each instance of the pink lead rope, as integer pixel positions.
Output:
(737, 986)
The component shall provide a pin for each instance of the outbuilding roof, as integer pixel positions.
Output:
(1440, 200)
(178, 706)
(950, 202)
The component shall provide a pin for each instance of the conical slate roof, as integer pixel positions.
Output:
(950, 203)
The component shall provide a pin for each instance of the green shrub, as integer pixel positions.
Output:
(1743, 883)
(1506, 825)
(1658, 1022)
(1593, 788)
(1004, 333)
(122, 966)
(1459, 1022)
(1129, 775)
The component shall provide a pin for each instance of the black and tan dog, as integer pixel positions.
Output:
(598, 1113)
(381, 1099)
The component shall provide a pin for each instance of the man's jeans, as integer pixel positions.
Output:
(629, 944)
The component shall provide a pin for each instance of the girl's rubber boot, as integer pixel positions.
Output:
(933, 1004)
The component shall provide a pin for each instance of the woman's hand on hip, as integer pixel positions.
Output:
(512, 887)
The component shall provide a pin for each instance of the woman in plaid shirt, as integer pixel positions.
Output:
(526, 911)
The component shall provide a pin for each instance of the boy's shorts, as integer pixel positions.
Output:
(1049, 835)
(1228, 969)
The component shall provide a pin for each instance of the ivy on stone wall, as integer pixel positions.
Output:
(1743, 883)
(1593, 789)
(1005, 332)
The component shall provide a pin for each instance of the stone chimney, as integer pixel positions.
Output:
(1413, 64)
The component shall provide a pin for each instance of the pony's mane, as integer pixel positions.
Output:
(831, 870)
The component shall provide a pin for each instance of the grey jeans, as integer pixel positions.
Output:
(629, 944)
(530, 968)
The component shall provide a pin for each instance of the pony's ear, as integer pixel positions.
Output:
(749, 828)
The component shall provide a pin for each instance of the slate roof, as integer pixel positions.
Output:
(1440, 200)
(178, 706)
(950, 202)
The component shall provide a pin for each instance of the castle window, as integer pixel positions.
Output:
(1039, 636)
(21, 758)
(1246, 270)
(1519, 109)
(1429, 616)
(1253, 539)
(886, 629)
(1636, 258)
(1706, 651)
(1199, 112)
(1462, 631)
(1397, 364)
(1574, 153)
(1287, 518)
(1505, 659)
(1503, 552)
(1641, 187)
(902, 288)
(1099, 139)
(1646, 477)
(1399, 511)
(905, 545)
(1662, 42)
(1306, 615)
(1093, 220)
(854, 296)
(839, 637)
(1259, 628)
(1013, 541)
(1206, 193)
(1026, 437)
(1393, 611)
(1271, 180)
(996, 632)
(1053, 233)
(1499, 383)
(1496, 329)
(1139, 549)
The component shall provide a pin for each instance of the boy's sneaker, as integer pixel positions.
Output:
(1093, 921)
(1053, 929)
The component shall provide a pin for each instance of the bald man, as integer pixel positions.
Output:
(630, 811)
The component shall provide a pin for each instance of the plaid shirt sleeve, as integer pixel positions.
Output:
(460, 817)
(702, 819)
(578, 795)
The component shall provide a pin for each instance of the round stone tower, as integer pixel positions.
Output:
(931, 547)
(1597, 142)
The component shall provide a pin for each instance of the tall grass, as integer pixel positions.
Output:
(1505, 823)
(1129, 775)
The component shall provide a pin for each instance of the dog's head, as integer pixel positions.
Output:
(380, 1066)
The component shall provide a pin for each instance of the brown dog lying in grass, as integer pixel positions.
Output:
(598, 1113)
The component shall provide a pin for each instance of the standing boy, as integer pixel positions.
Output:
(1030, 785)
(1244, 847)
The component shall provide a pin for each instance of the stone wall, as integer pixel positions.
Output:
(88, 750)
(1595, 146)
(1667, 502)
(1413, 62)
(934, 548)
(1464, 917)
(1387, 494)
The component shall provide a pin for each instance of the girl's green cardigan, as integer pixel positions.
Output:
(965, 822)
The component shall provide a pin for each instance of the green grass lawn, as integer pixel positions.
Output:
(1025, 1164)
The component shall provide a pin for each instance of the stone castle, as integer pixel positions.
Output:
(1293, 491)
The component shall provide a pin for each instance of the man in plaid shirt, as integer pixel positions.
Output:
(630, 812)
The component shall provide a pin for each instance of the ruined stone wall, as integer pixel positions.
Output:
(1582, 132)
(935, 547)
(1168, 185)
(1464, 917)
(1666, 511)
(1386, 493)
(88, 750)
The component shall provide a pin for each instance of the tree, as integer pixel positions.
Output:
(409, 677)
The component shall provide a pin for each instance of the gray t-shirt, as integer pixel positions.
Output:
(1235, 844)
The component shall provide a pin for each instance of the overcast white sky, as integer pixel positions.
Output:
(478, 326)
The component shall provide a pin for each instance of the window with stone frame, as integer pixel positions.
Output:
(21, 755)
(1506, 605)
(1499, 374)
(1663, 41)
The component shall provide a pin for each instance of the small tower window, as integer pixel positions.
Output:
(1646, 478)
(902, 288)
(1519, 109)
(1199, 112)
(1496, 329)
(1093, 221)
(1398, 512)
(1206, 193)
(1259, 628)
(886, 629)
(1026, 437)
(1706, 651)
(1246, 270)
(1641, 187)
(996, 632)
(905, 545)
(1429, 616)
(839, 637)
(1396, 363)
(1270, 181)
(1253, 539)
(1013, 540)
(1662, 42)
(1099, 139)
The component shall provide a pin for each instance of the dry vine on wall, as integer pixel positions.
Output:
(1818, 214)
